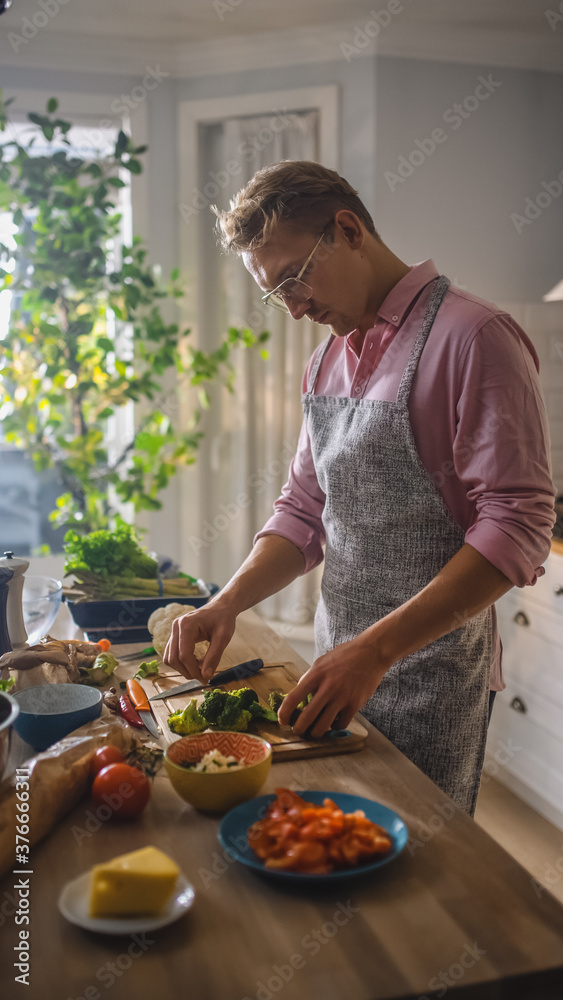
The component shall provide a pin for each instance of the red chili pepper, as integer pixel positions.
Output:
(129, 713)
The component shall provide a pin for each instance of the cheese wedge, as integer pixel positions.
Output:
(140, 882)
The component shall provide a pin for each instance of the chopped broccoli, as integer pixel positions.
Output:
(102, 668)
(231, 713)
(147, 669)
(275, 700)
(187, 722)
(246, 696)
(257, 711)
(212, 706)
(233, 710)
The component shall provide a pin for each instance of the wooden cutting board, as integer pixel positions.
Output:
(286, 745)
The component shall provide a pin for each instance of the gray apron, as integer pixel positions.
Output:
(388, 533)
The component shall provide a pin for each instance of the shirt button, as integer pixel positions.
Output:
(358, 389)
(394, 318)
(370, 346)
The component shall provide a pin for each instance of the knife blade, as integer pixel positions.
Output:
(140, 702)
(237, 673)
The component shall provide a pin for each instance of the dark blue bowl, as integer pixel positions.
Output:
(50, 712)
(126, 621)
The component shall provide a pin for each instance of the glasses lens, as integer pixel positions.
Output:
(277, 303)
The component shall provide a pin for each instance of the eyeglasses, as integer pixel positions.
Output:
(294, 289)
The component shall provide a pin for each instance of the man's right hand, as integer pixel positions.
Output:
(213, 622)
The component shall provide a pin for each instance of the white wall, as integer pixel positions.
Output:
(456, 206)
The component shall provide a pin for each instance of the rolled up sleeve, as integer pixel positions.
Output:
(502, 451)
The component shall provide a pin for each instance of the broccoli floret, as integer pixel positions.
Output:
(275, 699)
(247, 697)
(228, 710)
(242, 721)
(188, 722)
(258, 712)
(147, 669)
(212, 705)
(229, 717)
(102, 668)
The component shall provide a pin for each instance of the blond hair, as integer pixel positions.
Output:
(298, 191)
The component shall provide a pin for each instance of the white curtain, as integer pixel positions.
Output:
(251, 435)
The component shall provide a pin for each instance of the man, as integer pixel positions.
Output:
(423, 463)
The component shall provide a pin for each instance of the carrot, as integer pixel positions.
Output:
(296, 835)
(104, 645)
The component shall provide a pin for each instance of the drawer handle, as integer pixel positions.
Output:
(518, 705)
(521, 618)
(558, 591)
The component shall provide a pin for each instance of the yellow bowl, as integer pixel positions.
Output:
(218, 791)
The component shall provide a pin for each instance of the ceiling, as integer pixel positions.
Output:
(104, 34)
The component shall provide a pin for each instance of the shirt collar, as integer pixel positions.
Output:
(400, 298)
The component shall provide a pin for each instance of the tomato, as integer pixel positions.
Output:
(123, 789)
(104, 756)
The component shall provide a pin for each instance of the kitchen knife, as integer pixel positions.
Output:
(140, 702)
(237, 673)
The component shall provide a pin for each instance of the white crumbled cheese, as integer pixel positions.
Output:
(214, 760)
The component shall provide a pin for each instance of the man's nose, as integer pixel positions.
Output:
(297, 309)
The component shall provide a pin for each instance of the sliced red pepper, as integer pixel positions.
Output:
(129, 713)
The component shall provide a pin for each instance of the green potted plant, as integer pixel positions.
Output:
(87, 336)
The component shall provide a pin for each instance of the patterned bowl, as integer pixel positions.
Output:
(219, 791)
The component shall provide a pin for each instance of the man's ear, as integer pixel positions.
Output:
(350, 229)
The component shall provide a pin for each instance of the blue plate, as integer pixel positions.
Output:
(233, 837)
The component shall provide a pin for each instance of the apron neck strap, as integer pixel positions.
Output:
(314, 374)
(438, 292)
(440, 288)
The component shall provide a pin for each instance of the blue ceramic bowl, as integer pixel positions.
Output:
(51, 711)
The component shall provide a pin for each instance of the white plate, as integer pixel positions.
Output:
(74, 902)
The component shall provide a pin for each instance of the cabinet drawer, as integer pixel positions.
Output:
(528, 745)
(532, 661)
(518, 618)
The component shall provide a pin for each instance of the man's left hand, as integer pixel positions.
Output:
(340, 682)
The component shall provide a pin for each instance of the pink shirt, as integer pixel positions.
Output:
(478, 420)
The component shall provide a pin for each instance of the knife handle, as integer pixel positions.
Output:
(238, 673)
(137, 696)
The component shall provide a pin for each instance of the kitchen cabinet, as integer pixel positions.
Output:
(525, 743)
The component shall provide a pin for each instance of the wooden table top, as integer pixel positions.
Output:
(453, 913)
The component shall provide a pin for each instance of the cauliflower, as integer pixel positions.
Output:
(160, 627)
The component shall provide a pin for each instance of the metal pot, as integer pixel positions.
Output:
(9, 711)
